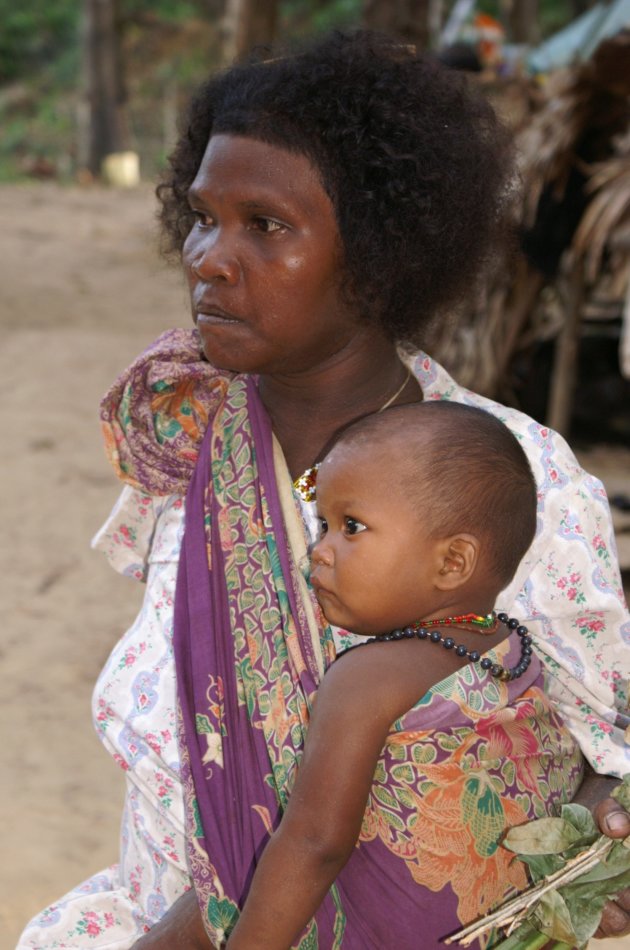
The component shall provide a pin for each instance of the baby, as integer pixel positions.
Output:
(412, 756)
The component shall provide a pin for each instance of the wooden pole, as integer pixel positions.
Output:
(564, 374)
(246, 24)
(106, 128)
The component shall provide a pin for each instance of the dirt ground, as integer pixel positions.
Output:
(82, 291)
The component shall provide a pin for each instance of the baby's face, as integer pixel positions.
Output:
(371, 567)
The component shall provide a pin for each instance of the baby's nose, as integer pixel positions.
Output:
(321, 553)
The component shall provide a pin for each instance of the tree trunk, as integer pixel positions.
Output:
(246, 24)
(412, 21)
(105, 121)
(521, 20)
(578, 7)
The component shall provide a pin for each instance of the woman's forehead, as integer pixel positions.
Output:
(241, 162)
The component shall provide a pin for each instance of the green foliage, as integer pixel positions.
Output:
(552, 14)
(34, 33)
(570, 913)
(545, 836)
(40, 67)
(308, 17)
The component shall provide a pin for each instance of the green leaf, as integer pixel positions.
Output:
(585, 911)
(581, 819)
(554, 918)
(542, 865)
(544, 836)
(597, 883)
(617, 863)
(621, 793)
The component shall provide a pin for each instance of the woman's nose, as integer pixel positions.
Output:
(213, 258)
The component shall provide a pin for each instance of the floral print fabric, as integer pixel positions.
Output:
(472, 758)
(246, 675)
(567, 589)
(576, 584)
(134, 712)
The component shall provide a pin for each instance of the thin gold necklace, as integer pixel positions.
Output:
(393, 398)
(305, 483)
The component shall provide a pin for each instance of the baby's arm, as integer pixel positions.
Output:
(354, 709)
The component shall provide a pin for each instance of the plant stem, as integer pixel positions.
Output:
(514, 910)
(525, 938)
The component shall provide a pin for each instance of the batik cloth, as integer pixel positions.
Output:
(453, 775)
(568, 592)
(567, 589)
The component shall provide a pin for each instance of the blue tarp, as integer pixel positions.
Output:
(577, 42)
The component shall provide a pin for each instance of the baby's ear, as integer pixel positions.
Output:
(457, 559)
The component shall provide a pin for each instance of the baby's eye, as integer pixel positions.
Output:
(267, 225)
(351, 526)
(323, 528)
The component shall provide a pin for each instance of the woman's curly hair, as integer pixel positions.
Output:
(415, 162)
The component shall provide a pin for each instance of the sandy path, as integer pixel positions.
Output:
(82, 291)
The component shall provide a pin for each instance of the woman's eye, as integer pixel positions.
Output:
(267, 225)
(202, 220)
(352, 526)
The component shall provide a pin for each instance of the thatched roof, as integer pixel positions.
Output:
(574, 213)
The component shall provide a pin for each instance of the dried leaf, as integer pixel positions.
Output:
(585, 911)
(553, 917)
(544, 836)
(581, 819)
(542, 865)
(617, 864)
(621, 792)
(567, 900)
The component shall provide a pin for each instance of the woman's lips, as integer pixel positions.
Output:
(214, 319)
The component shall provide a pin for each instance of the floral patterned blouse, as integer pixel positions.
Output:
(567, 591)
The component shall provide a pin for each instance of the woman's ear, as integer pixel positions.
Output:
(457, 559)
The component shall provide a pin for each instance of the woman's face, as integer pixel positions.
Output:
(263, 261)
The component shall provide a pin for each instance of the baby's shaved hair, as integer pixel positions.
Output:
(463, 471)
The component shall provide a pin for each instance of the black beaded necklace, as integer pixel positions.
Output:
(421, 631)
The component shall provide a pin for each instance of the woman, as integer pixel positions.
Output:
(329, 205)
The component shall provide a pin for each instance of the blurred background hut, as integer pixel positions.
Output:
(92, 89)
(561, 298)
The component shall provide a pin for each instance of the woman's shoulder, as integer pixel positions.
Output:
(553, 462)
(155, 414)
(141, 529)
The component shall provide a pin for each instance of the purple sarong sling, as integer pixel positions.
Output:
(474, 756)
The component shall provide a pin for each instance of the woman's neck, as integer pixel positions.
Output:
(308, 409)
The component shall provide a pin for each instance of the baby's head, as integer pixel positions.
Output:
(426, 511)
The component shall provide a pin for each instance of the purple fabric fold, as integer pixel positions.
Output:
(473, 757)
